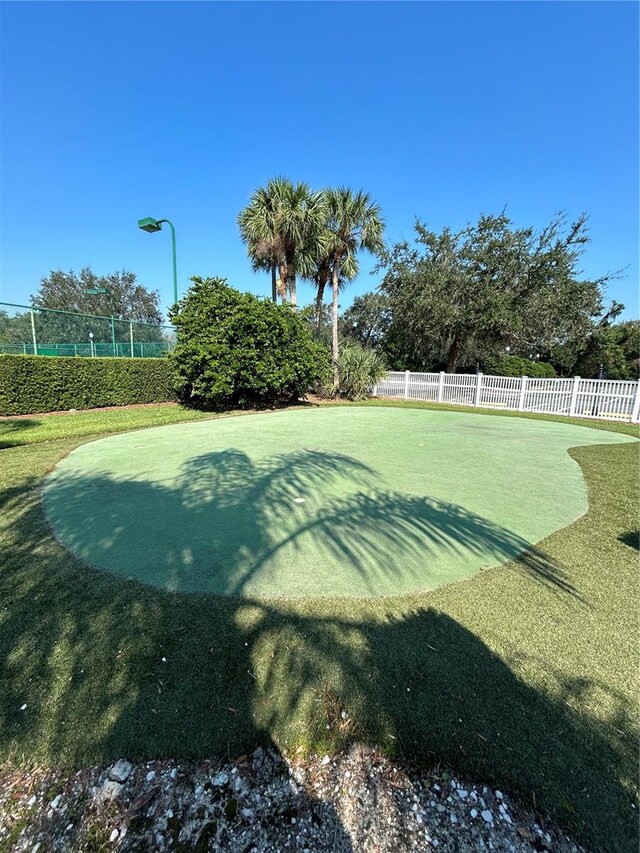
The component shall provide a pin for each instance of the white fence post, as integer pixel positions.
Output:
(574, 396)
(406, 385)
(33, 333)
(440, 386)
(635, 413)
(131, 336)
(476, 401)
(523, 388)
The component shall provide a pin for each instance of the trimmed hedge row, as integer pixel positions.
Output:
(38, 383)
(513, 365)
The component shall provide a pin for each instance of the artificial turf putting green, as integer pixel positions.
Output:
(332, 502)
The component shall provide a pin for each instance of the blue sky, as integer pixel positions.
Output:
(115, 111)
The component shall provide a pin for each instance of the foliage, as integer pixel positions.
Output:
(15, 329)
(36, 383)
(68, 333)
(367, 320)
(615, 346)
(458, 297)
(280, 227)
(67, 291)
(513, 365)
(237, 349)
(354, 223)
(318, 318)
(359, 369)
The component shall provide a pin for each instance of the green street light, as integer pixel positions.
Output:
(95, 291)
(151, 225)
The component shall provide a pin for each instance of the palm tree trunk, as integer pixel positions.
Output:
(274, 288)
(283, 269)
(335, 282)
(291, 286)
(319, 298)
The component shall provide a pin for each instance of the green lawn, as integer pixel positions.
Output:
(34, 429)
(511, 676)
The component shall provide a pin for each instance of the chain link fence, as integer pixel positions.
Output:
(26, 330)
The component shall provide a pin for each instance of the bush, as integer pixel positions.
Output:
(39, 383)
(513, 365)
(236, 349)
(359, 369)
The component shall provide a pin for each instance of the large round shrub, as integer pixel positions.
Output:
(236, 349)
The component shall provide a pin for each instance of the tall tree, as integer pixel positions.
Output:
(67, 291)
(354, 223)
(279, 226)
(454, 295)
(613, 346)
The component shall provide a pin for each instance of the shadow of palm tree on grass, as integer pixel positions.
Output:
(631, 538)
(233, 526)
(109, 668)
(15, 427)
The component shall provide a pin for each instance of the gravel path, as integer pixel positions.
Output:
(355, 801)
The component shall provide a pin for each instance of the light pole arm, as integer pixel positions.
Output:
(175, 265)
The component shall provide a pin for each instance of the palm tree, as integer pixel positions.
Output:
(280, 225)
(318, 270)
(354, 222)
(320, 275)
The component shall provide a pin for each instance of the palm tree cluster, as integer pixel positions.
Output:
(295, 232)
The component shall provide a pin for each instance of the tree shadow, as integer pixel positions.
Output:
(12, 428)
(234, 526)
(631, 538)
(110, 668)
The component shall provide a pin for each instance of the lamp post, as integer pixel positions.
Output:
(151, 225)
(95, 291)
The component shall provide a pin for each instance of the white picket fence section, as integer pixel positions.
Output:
(605, 399)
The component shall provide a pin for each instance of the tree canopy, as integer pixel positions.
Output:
(367, 320)
(458, 296)
(67, 291)
(281, 227)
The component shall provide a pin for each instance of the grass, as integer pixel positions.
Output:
(610, 426)
(388, 506)
(34, 429)
(508, 677)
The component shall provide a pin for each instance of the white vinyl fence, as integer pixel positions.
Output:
(606, 399)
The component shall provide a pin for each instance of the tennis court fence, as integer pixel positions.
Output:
(26, 330)
(605, 399)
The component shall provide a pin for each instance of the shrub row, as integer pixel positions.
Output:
(36, 383)
(513, 365)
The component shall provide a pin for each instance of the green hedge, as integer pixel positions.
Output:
(513, 365)
(37, 383)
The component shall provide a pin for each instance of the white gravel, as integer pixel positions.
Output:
(264, 803)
